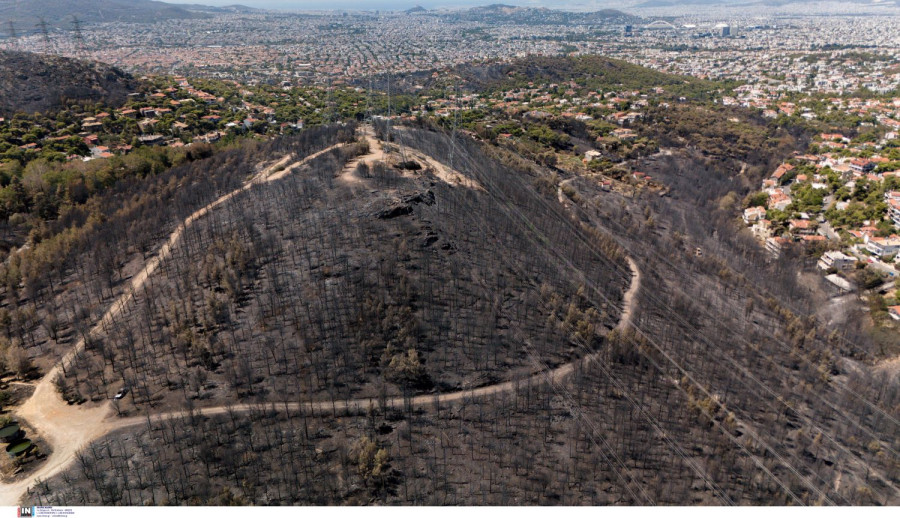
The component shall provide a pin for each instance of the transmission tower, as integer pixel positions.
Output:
(398, 135)
(11, 29)
(43, 27)
(76, 26)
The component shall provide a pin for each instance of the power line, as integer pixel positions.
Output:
(757, 381)
(691, 378)
(650, 340)
(760, 383)
(734, 362)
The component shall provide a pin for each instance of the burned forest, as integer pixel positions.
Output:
(404, 315)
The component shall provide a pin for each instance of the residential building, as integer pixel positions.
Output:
(782, 170)
(779, 200)
(894, 211)
(862, 165)
(592, 154)
(842, 283)
(150, 140)
(883, 246)
(802, 227)
(775, 244)
(894, 312)
(837, 260)
(762, 229)
(754, 214)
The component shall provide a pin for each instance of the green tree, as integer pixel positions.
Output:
(406, 369)
(14, 198)
(757, 199)
(371, 461)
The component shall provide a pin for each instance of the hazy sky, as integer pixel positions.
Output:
(395, 4)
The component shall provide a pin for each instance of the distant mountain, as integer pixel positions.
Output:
(415, 10)
(24, 14)
(501, 13)
(225, 9)
(740, 3)
(35, 82)
(670, 3)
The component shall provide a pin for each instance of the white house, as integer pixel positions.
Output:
(883, 246)
(836, 259)
(754, 214)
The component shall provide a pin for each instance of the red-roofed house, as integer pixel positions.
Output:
(862, 165)
(894, 312)
(802, 227)
(782, 170)
(779, 200)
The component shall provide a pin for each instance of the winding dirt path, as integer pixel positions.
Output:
(69, 428)
(376, 154)
(362, 405)
(449, 176)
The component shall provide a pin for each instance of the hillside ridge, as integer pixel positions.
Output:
(38, 82)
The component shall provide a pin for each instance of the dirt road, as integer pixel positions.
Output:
(376, 154)
(361, 405)
(70, 428)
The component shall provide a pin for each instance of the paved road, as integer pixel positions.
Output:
(826, 230)
(876, 263)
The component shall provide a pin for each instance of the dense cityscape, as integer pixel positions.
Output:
(782, 53)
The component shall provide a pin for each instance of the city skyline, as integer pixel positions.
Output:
(400, 4)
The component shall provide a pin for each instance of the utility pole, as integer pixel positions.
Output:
(369, 100)
(455, 121)
(387, 132)
(328, 103)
